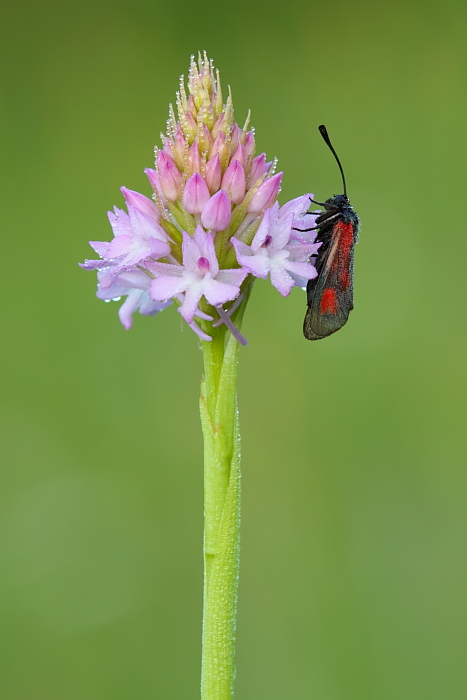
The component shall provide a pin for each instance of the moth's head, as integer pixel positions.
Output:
(340, 200)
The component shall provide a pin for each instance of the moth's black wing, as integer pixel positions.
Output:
(330, 296)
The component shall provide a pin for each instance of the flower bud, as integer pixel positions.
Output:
(170, 176)
(265, 195)
(249, 146)
(205, 139)
(179, 148)
(218, 146)
(235, 137)
(217, 213)
(194, 158)
(213, 174)
(195, 194)
(139, 201)
(155, 182)
(206, 114)
(234, 182)
(168, 143)
(189, 126)
(191, 107)
(239, 155)
(258, 169)
(217, 125)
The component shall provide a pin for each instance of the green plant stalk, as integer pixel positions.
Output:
(219, 418)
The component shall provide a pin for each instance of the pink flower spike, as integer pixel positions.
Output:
(194, 158)
(217, 213)
(258, 169)
(141, 202)
(195, 195)
(170, 176)
(265, 195)
(234, 182)
(213, 174)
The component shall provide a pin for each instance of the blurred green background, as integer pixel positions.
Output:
(354, 563)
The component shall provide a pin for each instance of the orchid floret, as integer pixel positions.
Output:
(274, 252)
(198, 276)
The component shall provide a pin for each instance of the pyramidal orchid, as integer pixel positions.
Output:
(211, 226)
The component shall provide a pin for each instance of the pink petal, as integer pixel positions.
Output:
(128, 308)
(194, 158)
(166, 269)
(258, 264)
(190, 303)
(263, 230)
(234, 182)
(163, 288)
(141, 202)
(234, 276)
(143, 225)
(302, 252)
(281, 280)
(170, 177)
(196, 194)
(302, 269)
(298, 206)
(119, 246)
(101, 247)
(281, 231)
(205, 244)
(94, 264)
(214, 174)
(120, 222)
(190, 251)
(266, 194)
(217, 213)
(218, 293)
(241, 248)
(257, 170)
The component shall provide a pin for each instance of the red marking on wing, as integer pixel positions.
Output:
(344, 234)
(328, 303)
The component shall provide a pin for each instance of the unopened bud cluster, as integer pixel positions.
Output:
(207, 173)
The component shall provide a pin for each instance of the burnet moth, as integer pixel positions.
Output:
(330, 294)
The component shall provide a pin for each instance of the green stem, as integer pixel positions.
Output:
(219, 418)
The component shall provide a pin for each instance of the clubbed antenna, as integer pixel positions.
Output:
(324, 133)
